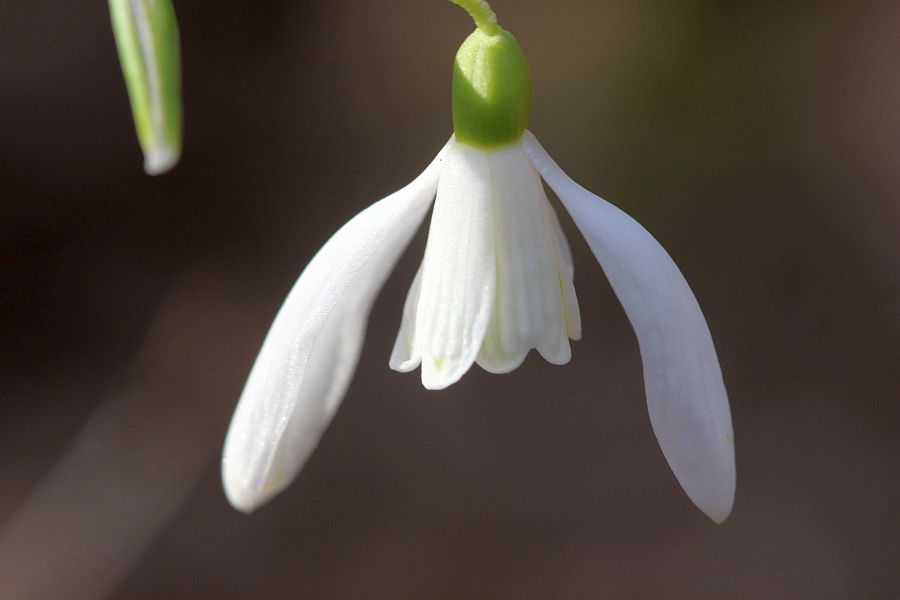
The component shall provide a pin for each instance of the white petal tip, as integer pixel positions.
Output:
(246, 497)
(719, 518)
(239, 494)
(436, 384)
(557, 354)
(404, 365)
(436, 378)
(501, 364)
(718, 512)
(160, 159)
(239, 497)
(714, 497)
(240, 504)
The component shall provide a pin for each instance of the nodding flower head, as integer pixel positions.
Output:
(496, 282)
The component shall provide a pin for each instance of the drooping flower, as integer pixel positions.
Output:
(495, 282)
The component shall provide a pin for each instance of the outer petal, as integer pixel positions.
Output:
(458, 271)
(311, 350)
(686, 396)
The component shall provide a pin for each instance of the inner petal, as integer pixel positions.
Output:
(535, 305)
(405, 357)
(458, 272)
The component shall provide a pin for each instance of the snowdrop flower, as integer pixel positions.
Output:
(147, 40)
(495, 282)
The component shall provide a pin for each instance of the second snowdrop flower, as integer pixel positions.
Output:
(495, 282)
(147, 40)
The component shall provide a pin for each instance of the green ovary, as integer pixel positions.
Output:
(491, 90)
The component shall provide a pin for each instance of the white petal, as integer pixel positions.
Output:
(529, 308)
(565, 252)
(459, 270)
(404, 358)
(573, 314)
(311, 350)
(686, 396)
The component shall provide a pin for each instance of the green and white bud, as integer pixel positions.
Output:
(491, 84)
(146, 35)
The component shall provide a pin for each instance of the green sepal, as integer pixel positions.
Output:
(491, 90)
(147, 39)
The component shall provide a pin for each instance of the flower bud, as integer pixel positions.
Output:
(147, 40)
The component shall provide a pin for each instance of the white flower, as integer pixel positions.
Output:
(496, 281)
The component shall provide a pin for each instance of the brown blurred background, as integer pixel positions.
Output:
(760, 143)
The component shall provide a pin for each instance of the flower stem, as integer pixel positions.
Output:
(481, 13)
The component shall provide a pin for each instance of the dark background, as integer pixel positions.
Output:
(759, 142)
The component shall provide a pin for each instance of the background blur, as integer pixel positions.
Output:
(759, 142)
